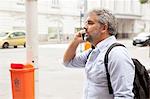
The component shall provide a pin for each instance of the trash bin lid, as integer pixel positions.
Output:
(16, 66)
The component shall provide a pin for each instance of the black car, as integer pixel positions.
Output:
(143, 39)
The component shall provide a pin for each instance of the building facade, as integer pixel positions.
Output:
(128, 14)
(58, 20)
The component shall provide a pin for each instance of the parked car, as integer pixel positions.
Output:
(143, 39)
(12, 38)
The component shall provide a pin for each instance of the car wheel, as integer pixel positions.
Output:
(134, 44)
(145, 43)
(5, 45)
(24, 45)
(15, 46)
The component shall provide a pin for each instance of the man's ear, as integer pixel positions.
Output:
(104, 28)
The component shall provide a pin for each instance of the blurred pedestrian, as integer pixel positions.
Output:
(100, 28)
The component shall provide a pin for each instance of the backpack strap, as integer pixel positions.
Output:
(90, 53)
(106, 65)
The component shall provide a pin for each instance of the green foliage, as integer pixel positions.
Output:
(143, 1)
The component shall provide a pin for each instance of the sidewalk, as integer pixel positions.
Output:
(55, 81)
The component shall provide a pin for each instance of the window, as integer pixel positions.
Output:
(52, 32)
(13, 35)
(19, 34)
(55, 3)
(21, 2)
(3, 34)
(77, 29)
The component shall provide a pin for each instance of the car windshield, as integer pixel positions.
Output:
(3, 34)
(143, 34)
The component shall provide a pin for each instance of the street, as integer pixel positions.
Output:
(55, 80)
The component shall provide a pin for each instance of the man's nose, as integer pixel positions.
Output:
(85, 28)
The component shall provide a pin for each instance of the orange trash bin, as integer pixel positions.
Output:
(22, 80)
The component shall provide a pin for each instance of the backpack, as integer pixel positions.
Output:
(141, 84)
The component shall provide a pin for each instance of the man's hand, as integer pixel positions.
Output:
(78, 36)
(71, 50)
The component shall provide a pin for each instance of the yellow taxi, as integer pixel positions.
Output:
(12, 38)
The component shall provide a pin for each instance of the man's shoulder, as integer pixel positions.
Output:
(118, 52)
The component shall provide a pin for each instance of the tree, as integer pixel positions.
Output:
(144, 1)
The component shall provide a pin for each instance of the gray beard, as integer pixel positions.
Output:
(89, 38)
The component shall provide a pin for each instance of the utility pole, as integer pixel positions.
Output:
(83, 11)
(149, 55)
(32, 39)
(81, 17)
(85, 8)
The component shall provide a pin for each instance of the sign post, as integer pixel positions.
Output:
(32, 39)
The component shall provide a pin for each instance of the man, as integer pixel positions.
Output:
(100, 27)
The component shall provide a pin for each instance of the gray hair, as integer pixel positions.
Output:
(106, 17)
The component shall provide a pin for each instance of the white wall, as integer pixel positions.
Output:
(5, 5)
(5, 21)
(69, 25)
(42, 24)
(146, 16)
(107, 4)
(136, 7)
(147, 26)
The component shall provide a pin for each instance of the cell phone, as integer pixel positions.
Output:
(83, 36)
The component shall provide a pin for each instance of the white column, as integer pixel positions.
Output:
(32, 39)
